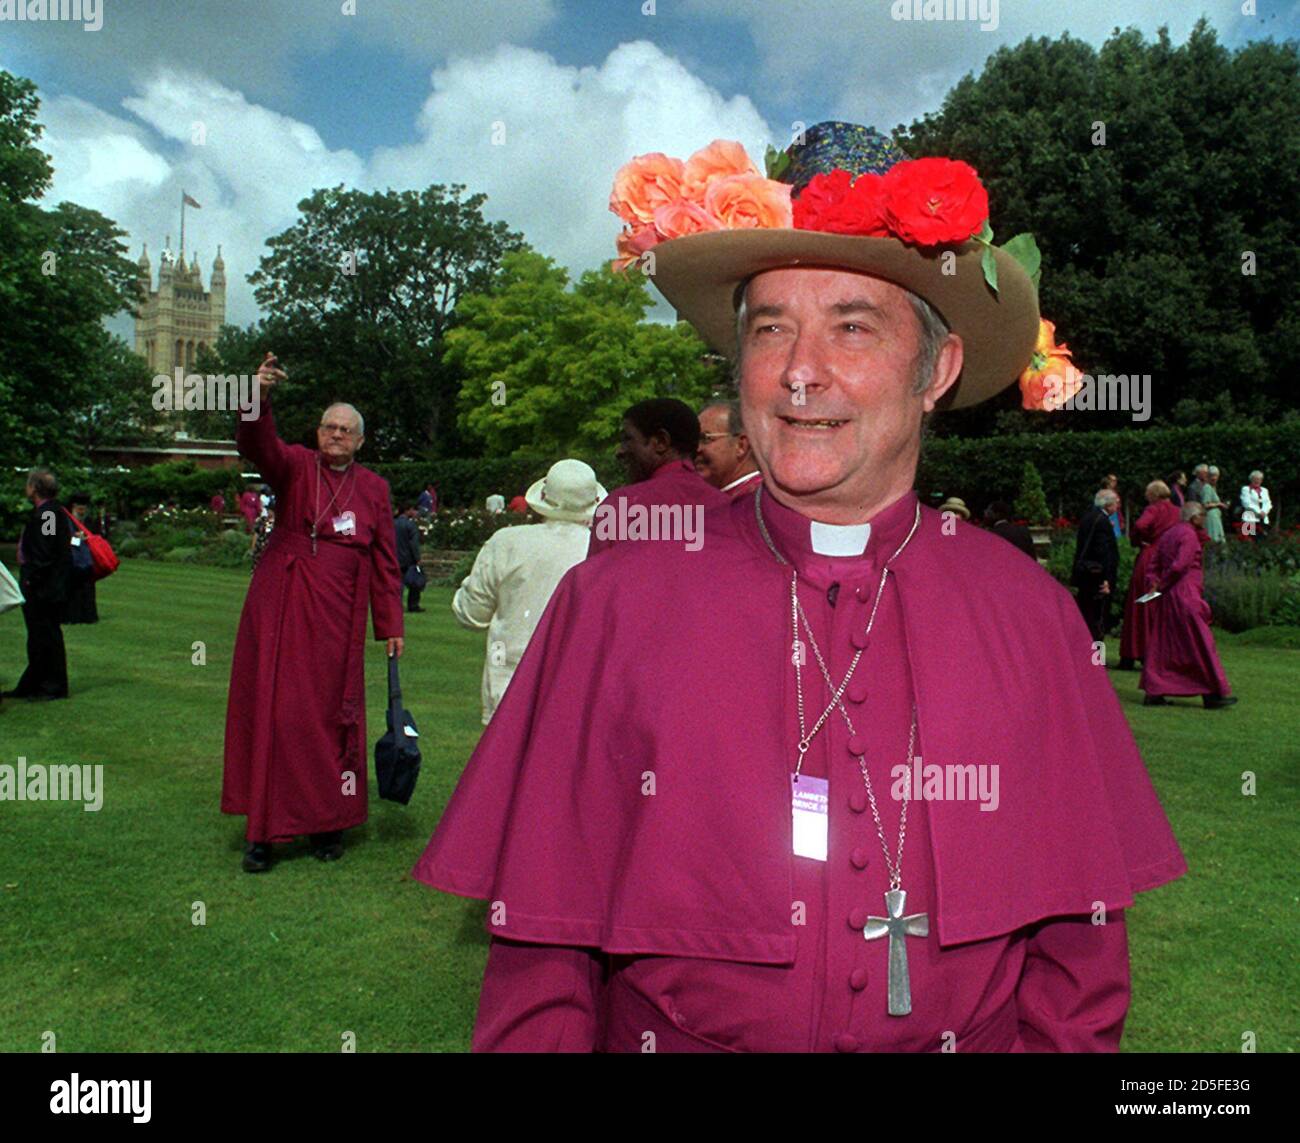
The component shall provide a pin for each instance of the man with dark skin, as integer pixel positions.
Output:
(726, 459)
(657, 447)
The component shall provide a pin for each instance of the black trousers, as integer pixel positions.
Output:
(1095, 609)
(47, 661)
(413, 598)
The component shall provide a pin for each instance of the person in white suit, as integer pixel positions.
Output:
(1256, 505)
(518, 569)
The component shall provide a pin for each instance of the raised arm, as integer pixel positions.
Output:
(257, 438)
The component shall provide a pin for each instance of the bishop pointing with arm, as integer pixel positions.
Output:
(844, 843)
(295, 759)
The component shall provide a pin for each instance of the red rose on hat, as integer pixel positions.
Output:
(839, 204)
(934, 201)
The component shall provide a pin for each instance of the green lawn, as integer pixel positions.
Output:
(99, 947)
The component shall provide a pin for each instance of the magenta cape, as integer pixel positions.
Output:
(295, 724)
(676, 482)
(1155, 521)
(1181, 658)
(655, 660)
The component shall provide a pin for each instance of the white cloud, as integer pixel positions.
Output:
(566, 131)
(873, 69)
(258, 46)
(248, 174)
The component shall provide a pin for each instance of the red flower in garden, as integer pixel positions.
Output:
(933, 201)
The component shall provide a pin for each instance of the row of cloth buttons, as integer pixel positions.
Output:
(859, 858)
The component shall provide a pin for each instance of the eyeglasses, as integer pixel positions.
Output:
(706, 438)
(342, 430)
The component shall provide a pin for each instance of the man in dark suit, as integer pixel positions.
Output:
(408, 551)
(45, 576)
(1096, 562)
(997, 516)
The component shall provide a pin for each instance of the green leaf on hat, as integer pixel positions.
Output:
(1025, 250)
(990, 265)
(776, 162)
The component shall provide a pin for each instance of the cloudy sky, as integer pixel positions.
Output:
(287, 95)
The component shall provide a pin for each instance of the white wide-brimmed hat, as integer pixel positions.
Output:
(568, 491)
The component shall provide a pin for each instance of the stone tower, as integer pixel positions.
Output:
(180, 315)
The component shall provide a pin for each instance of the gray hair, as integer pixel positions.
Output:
(1200, 468)
(933, 331)
(1191, 509)
(43, 482)
(361, 421)
(1106, 496)
(1255, 474)
(735, 423)
(1214, 470)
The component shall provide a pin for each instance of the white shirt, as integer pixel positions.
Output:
(514, 576)
(741, 480)
(1256, 501)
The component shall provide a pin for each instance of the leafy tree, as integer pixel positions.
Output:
(1031, 504)
(359, 293)
(550, 369)
(1144, 235)
(65, 383)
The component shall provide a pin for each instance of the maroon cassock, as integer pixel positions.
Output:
(674, 483)
(1181, 658)
(628, 811)
(296, 720)
(1156, 519)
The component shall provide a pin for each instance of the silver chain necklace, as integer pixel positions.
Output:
(894, 925)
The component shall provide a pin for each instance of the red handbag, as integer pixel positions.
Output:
(103, 560)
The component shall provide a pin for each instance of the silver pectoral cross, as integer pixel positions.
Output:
(897, 927)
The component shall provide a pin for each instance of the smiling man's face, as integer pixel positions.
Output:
(828, 365)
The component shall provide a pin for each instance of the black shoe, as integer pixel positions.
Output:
(413, 610)
(1127, 665)
(1155, 700)
(257, 857)
(327, 846)
(1217, 702)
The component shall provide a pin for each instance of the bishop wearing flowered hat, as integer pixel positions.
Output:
(865, 835)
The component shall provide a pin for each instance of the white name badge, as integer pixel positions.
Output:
(346, 524)
(809, 806)
(76, 541)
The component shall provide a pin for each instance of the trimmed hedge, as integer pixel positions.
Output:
(979, 470)
(1072, 464)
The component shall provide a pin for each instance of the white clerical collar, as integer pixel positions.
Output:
(341, 467)
(740, 480)
(839, 539)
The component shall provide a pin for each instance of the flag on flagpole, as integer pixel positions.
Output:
(185, 198)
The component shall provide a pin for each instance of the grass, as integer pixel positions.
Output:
(97, 910)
